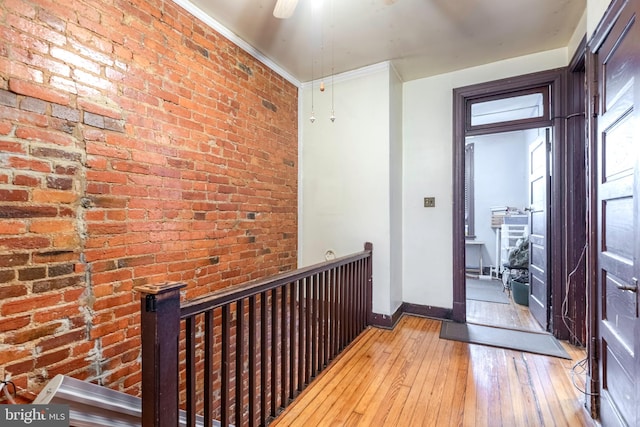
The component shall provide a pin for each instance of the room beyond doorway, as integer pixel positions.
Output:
(497, 192)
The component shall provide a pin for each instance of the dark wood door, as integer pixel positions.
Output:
(539, 188)
(617, 63)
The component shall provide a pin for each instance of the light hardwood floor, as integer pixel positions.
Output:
(408, 376)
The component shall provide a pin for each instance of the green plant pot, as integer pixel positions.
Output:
(520, 292)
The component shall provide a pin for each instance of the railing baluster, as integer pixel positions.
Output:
(314, 327)
(325, 316)
(354, 301)
(224, 366)
(274, 351)
(252, 360)
(322, 337)
(343, 298)
(308, 336)
(330, 320)
(208, 370)
(303, 321)
(284, 359)
(334, 312)
(239, 401)
(355, 316)
(264, 348)
(190, 341)
(361, 296)
(349, 300)
(292, 338)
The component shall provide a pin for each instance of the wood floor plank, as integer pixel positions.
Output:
(370, 401)
(453, 393)
(323, 386)
(424, 390)
(410, 377)
(469, 410)
(522, 397)
(393, 416)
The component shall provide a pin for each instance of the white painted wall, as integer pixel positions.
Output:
(427, 144)
(349, 168)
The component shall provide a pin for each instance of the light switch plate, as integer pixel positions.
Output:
(429, 202)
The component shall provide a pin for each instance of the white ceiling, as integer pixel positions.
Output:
(421, 37)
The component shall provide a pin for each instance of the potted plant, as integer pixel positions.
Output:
(520, 290)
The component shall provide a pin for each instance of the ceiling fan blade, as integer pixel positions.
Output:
(284, 8)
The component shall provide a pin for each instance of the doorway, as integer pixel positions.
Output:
(550, 85)
(497, 198)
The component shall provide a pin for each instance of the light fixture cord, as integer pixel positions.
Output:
(312, 65)
(333, 23)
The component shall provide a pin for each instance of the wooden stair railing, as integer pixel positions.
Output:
(242, 354)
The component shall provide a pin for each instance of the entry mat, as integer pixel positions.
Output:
(486, 290)
(531, 342)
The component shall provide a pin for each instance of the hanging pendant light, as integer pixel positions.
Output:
(313, 117)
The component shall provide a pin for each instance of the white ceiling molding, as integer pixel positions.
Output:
(354, 74)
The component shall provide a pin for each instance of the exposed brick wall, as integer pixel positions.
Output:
(136, 146)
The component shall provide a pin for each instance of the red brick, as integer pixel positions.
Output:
(5, 128)
(13, 147)
(101, 110)
(38, 91)
(59, 311)
(54, 137)
(62, 340)
(32, 273)
(54, 256)
(26, 335)
(52, 226)
(14, 323)
(24, 243)
(12, 227)
(117, 339)
(10, 354)
(27, 305)
(113, 301)
(56, 283)
(29, 164)
(111, 276)
(75, 367)
(26, 180)
(48, 359)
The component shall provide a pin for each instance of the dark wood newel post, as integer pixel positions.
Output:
(368, 246)
(160, 330)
